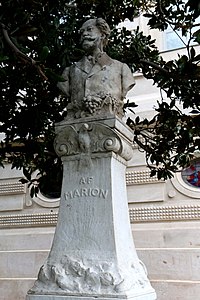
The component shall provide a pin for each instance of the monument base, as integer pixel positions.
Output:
(147, 296)
(93, 254)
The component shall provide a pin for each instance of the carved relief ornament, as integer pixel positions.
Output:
(72, 276)
(87, 138)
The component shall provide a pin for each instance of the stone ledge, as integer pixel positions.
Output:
(171, 263)
(16, 289)
(137, 215)
(149, 296)
(28, 220)
(21, 264)
(176, 290)
(12, 188)
(165, 213)
(140, 177)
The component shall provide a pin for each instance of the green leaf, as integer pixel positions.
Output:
(131, 110)
(32, 191)
(132, 104)
(36, 190)
(196, 36)
(3, 58)
(197, 58)
(153, 173)
(44, 53)
(27, 174)
(23, 180)
(137, 119)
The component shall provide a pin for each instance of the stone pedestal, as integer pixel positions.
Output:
(93, 254)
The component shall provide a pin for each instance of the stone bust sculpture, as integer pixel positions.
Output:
(97, 84)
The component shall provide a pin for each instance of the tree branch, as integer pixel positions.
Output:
(155, 66)
(163, 16)
(20, 55)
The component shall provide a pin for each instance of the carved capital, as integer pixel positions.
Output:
(89, 138)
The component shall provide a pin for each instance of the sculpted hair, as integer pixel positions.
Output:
(104, 28)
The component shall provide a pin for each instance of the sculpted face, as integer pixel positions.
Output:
(91, 36)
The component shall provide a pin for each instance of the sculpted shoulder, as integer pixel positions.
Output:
(64, 85)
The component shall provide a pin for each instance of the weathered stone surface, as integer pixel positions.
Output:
(153, 192)
(172, 263)
(177, 289)
(89, 138)
(19, 264)
(14, 289)
(169, 235)
(93, 254)
(26, 239)
(97, 84)
(11, 202)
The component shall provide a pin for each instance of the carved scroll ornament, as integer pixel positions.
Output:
(87, 138)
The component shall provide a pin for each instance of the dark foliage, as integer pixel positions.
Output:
(39, 38)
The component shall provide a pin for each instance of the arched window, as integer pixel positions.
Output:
(191, 175)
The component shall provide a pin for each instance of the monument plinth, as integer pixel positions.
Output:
(93, 254)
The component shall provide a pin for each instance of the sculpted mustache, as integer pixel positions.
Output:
(88, 38)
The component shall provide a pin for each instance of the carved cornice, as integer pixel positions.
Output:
(165, 213)
(28, 220)
(140, 177)
(137, 215)
(11, 188)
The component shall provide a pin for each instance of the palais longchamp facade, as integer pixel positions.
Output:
(164, 215)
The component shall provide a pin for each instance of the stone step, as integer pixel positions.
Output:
(176, 290)
(167, 235)
(171, 263)
(21, 264)
(15, 289)
(26, 238)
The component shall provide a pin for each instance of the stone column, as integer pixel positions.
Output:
(93, 254)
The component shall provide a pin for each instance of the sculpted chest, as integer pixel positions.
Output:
(87, 80)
